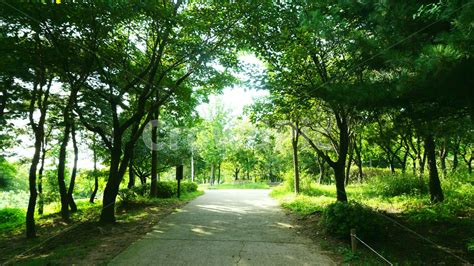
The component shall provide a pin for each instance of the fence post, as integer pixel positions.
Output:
(353, 241)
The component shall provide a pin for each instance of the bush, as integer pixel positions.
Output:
(11, 218)
(188, 187)
(13, 176)
(396, 185)
(127, 195)
(166, 189)
(470, 245)
(142, 190)
(340, 217)
(370, 172)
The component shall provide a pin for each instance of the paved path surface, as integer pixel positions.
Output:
(225, 227)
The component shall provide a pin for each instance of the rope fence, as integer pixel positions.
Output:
(354, 240)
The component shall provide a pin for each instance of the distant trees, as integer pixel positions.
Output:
(212, 140)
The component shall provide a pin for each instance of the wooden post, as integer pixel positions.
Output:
(179, 176)
(353, 241)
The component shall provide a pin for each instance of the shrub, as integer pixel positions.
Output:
(340, 217)
(188, 187)
(127, 195)
(142, 190)
(396, 184)
(470, 245)
(166, 189)
(370, 172)
(11, 218)
(289, 181)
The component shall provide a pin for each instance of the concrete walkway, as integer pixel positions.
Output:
(225, 227)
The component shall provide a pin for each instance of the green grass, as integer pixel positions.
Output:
(11, 218)
(75, 240)
(459, 199)
(405, 199)
(86, 212)
(240, 185)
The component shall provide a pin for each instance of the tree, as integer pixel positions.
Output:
(212, 138)
(35, 87)
(178, 45)
(311, 47)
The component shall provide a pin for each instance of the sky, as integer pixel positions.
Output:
(235, 98)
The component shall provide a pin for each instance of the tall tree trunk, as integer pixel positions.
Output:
(295, 133)
(67, 120)
(436, 191)
(391, 161)
(118, 167)
(349, 163)
(321, 170)
(142, 179)
(414, 154)
(442, 157)
(404, 162)
(39, 98)
(422, 163)
(61, 172)
(270, 173)
(469, 166)
(119, 162)
(455, 161)
(192, 165)
(212, 174)
(219, 173)
(40, 178)
(131, 175)
(236, 173)
(443, 166)
(131, 172)
(468, 161)
(96, 178)
(71, 202)
(457, 143)
(340, 186)
(154, 156)
(136, 124)
(30, 214)
(339, 165)
(357, 149)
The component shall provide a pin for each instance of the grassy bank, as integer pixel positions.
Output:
(84, 240)
(392, 208)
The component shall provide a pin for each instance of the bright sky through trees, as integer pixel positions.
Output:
(235, 98)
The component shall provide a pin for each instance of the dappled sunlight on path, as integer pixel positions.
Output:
(226, 227)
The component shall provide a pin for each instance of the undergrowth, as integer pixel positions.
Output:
(401, 197)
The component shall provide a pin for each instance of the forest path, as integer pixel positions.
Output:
(225, 227)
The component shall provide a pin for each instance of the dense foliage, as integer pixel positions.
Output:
(340, 217)
(368, 101)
